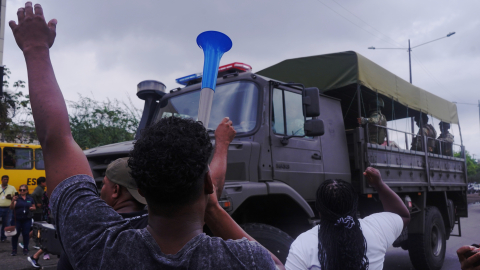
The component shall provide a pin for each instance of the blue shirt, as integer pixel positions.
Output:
(94, 236)
(22, 207)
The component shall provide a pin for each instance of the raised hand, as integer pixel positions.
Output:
(373, 176)
(32, 31)
(225, 132)
(467, 260)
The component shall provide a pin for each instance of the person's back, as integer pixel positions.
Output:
(93, 234)
(343, 242)
(376, 228)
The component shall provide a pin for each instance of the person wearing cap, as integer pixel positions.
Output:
(119, 191)
(446, 139)
(376, 134)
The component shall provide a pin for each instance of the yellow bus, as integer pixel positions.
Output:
(23, 163)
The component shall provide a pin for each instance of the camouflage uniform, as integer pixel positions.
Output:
(376, 135)
(447, 143)
(429, 132)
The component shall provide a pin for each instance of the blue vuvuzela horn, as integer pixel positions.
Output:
(214, 45)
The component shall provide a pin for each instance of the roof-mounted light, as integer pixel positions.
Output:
(225, 69)
(185, 80)
(237, 66)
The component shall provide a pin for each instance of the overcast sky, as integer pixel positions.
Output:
(104, 48)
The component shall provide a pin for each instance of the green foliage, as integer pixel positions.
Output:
(95, 123)
(473, 168)
(16, 123)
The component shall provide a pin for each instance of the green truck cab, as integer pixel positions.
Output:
(274, 168)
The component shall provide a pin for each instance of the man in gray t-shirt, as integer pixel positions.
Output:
(96, 237)
(170, 166)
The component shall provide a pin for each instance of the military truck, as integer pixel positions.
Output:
(274, 167)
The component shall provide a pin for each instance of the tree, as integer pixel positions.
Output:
(473, 168)
(95, 123)
(16, 123)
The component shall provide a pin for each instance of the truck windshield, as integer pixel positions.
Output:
(237, 100)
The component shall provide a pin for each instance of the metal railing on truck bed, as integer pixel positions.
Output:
(405, 170)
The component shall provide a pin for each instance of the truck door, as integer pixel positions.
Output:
(298, 160)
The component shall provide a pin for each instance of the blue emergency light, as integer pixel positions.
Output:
(186, 79)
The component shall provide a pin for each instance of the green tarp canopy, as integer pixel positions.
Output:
(338, 75)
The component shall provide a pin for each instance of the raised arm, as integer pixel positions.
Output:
(390, 200)
(224, 135)
(63, 157)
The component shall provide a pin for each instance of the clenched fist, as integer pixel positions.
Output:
(373, 176)
(225, 132)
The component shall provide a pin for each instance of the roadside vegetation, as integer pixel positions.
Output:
(93, 122)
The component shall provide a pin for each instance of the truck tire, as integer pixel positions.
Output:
(273, 239)
(427, 251)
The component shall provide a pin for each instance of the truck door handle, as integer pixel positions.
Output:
(317, 156)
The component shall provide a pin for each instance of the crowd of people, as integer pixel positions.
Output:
(174, 169)
(23, 209)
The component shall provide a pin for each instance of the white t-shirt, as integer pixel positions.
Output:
(380, 231)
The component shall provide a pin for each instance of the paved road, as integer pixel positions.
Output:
(397, 258)
(18, 262)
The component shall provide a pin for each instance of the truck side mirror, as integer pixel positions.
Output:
(314, 127)
(311, 102)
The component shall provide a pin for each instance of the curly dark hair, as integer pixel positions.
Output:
(341, 244)
(170, 160)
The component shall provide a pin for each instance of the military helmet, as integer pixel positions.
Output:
(424, 118)
(444, 124)
(376, 103)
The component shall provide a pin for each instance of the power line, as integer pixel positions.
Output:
(427, 72)
(373, 34)
(472, 104)
(366, 22)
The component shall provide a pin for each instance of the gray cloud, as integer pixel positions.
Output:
(107, 47)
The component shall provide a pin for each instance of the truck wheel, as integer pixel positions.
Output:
(273, 239)
(427, 251)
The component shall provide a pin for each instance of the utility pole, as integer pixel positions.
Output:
(410, 50)
(410, 61)
(3, 6)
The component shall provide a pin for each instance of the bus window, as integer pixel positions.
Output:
(39, 162)
(17, 158)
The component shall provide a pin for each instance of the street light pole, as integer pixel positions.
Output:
(410, 61)
(409, 49)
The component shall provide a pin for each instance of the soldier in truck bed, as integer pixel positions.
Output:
(376, 135)
(428, 131)
(447, 139)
